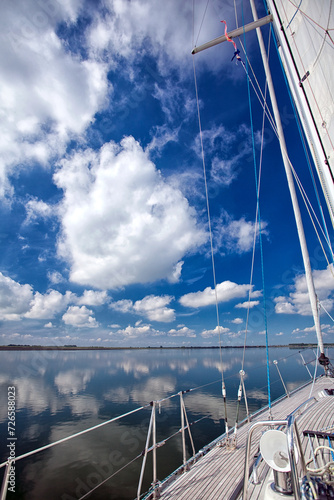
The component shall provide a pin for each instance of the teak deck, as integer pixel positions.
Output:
(219, 474)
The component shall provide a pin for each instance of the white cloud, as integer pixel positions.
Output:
(48, 305)
(247, 304)
(226, 291)
(236, 235)
(152, 307)
(237, 321)
(124, 305)
(37, 209)
(223, 144)
(176, 273)
(55, 277)
(298, 302)
(182, 332)
(171, 98)
(119, 217)
(284, 306)
(155, 308)
(133, 332)
(93, 298)
(15, 299)
(80, 317)
(161, 136)
(130, 26)
(19, 301)
(212, 333)
(48, 94)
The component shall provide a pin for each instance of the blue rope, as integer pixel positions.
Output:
(301, 134)
(259, 216)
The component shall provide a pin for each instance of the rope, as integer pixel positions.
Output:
(298, 122)
(211, 246)
(256, 224)
(200, 28)
(309, 164)
(324, 230)
(313, 217)
(259, 222)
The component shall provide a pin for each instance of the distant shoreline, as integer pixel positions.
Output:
(14, 347)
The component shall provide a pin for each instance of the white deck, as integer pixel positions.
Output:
(219, 474)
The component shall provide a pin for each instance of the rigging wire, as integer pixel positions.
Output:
(270, 119)
(310, 209)
(296, 116)
(203, 17)
(211, 247)
(309, 163)
(264, 106)
(298, 121)
(259, 222)
(258, 93)
(326, 311)
(241, 385)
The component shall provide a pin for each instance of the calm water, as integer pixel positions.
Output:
(59, 393)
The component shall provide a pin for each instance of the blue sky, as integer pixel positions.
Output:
(104, 227)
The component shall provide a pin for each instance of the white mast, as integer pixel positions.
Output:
(291, 184)
(300, 229)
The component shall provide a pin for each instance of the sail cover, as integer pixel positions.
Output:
(306, 34)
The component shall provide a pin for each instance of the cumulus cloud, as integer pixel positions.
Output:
(155, 308)
(48, 94)
(48, 305)
(226, 291)
(15, 299)
(215, 332)
(248, 304)
(93, 298)
(133, 332)
(311, 329)
(298, 302)
(152, 307)
(182, 332)
(128, 26)
(237, 321)
(20, 301)
(119, 217)
(124, 305)
(81, 317)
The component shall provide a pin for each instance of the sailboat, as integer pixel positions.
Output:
(287, 449)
